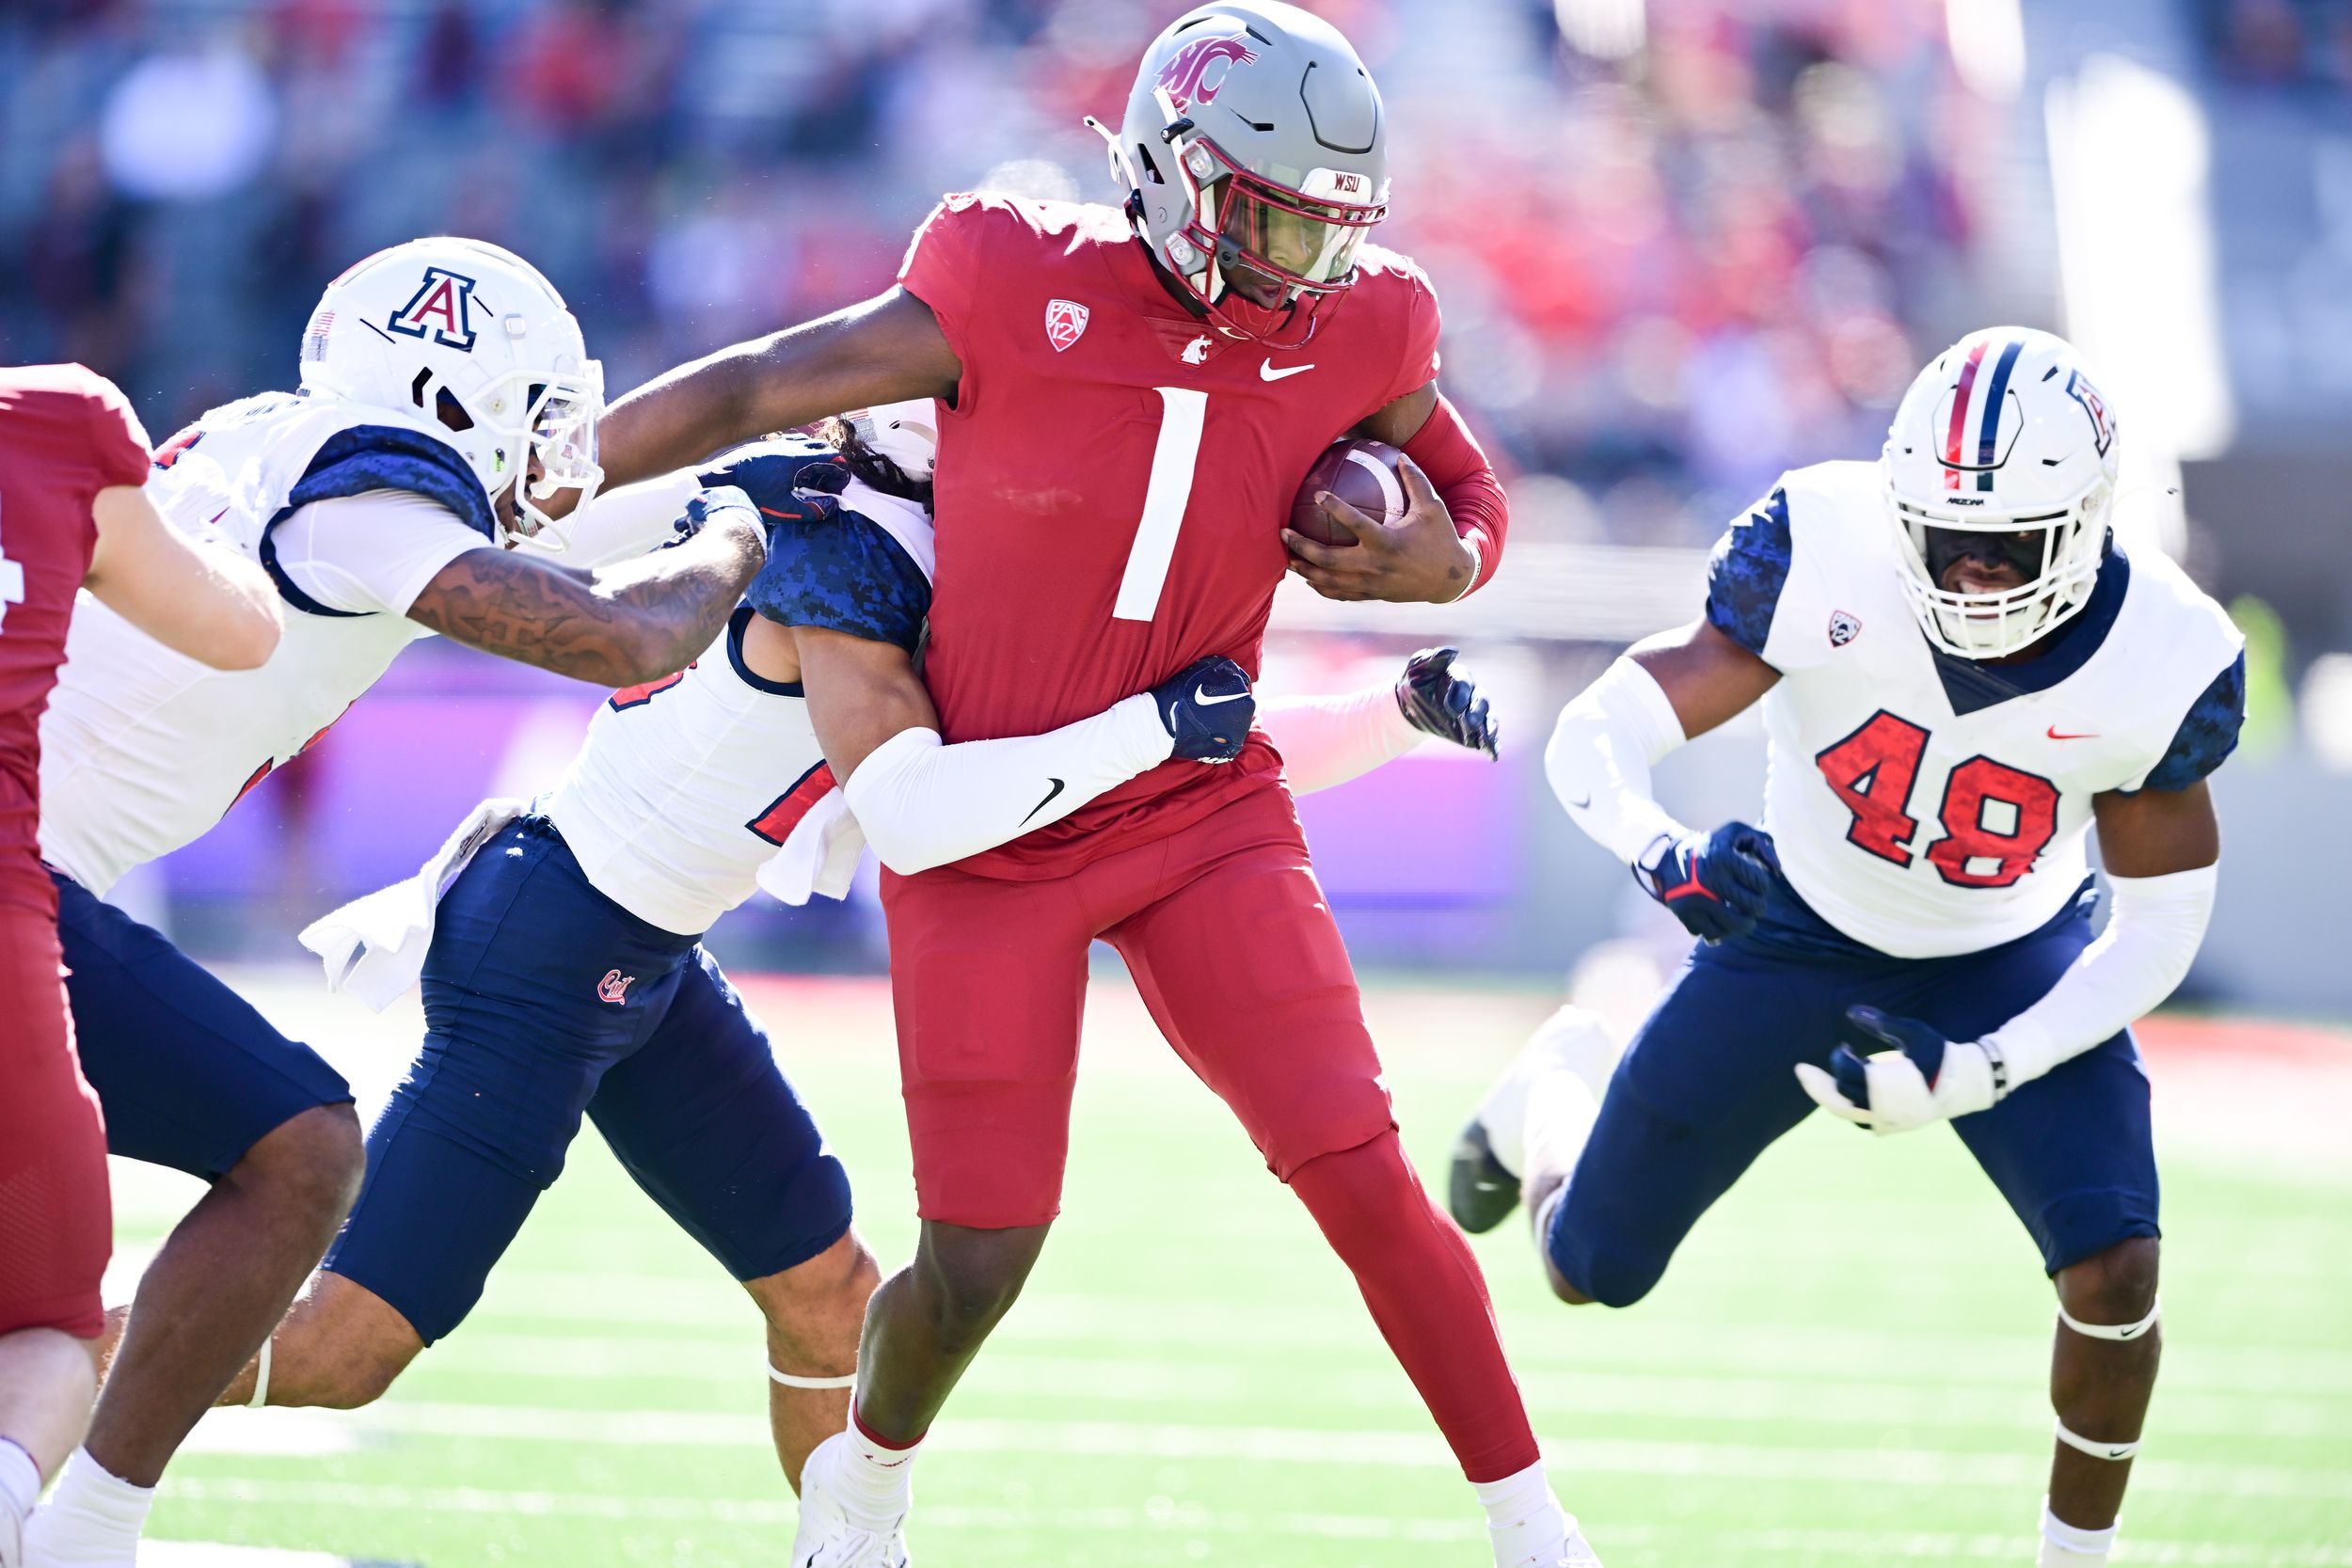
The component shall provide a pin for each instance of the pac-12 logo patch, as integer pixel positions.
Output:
(2101, 422)
(443, 305)
(1065, 323)
(614, 988)
(1195, 72)
(1843, 629)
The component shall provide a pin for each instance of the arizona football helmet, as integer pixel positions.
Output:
(471, 338)
(906, 433)
(1253, 156)
(2003, 448)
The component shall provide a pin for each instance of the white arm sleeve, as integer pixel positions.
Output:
(1601, 751)
(2151, 937)
(1329, 740)
(624, 524)
(372, 552)
(923, 803)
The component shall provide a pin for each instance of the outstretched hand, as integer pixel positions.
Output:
(1440, 699)
(1418, 559)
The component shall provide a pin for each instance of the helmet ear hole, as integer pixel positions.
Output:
(415, 387)
(1150, 171)
(450, 412)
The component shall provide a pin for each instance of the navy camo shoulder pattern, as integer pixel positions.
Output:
(1747, 572)
(2208, 734)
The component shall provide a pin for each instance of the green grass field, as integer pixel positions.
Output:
(1845, 1366)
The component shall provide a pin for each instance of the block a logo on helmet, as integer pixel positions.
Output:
(469, 343)
(2002, 453)
(442, 304)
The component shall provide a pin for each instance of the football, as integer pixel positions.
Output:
(1362, 473)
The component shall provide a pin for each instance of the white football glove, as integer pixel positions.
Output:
(1919, 1079)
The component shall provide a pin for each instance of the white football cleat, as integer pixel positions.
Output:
(1490, 1157)
(829, 1536)
(1576, 1552)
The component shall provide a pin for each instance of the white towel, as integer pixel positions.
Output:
(374, 947)
(819, 854)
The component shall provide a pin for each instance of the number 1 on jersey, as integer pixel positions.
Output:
(1182, 410)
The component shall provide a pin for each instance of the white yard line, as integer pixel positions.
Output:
(2021, 1469)
(1953, 1401)
(1161, 1516)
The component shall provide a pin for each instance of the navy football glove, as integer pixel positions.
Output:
(1714, 883)
(1207, 707)
(790, 489)
(1914, 1076)
(1438, 701)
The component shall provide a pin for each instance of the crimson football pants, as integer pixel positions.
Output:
(1225, 929)
(56, 1221)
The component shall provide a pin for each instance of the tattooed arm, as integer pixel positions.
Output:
(620, 625)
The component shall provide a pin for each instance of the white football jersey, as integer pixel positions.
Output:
(143, 749)
(1925, 806)
(685, 787)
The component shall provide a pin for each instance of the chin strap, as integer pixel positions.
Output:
(789, 1381)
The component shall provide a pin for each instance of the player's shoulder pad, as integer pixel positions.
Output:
(970, 218)
(2194, 642)
(362, 457)
(768, 470)
(854, 571)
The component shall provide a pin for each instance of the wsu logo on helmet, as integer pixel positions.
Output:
(1193, 74)
(442, 304)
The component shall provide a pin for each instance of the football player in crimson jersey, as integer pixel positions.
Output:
(1961, 674)
(72, 459)
(1129, 399)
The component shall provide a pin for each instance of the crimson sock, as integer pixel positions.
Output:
(1426, 1293)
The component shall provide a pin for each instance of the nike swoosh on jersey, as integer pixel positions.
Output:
(1201, 696)
(1047, 801)
(2087, 734)
(1267, 373)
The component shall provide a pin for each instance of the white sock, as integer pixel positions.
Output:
(93, 1519)
(877, 1481)
(1524, 1520)
(2065, 1545)
(1561, 1109)
(20, 1483)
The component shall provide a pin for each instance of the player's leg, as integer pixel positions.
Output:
(987, 981)
(2073, 1154)
(1700, 1091)
(190, 1076)
(56, 1228)
(1243, 969)
(706, 1122)
(517, 1037)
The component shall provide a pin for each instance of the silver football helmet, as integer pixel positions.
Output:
(1253, 156)
(2004, 450)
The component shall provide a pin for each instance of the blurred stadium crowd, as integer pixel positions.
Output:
(1669, 281)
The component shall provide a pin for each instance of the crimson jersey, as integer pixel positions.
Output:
(1112, 483)
(66, 432)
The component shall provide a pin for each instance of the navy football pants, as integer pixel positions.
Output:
(1708, 1080)
(545, 999)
